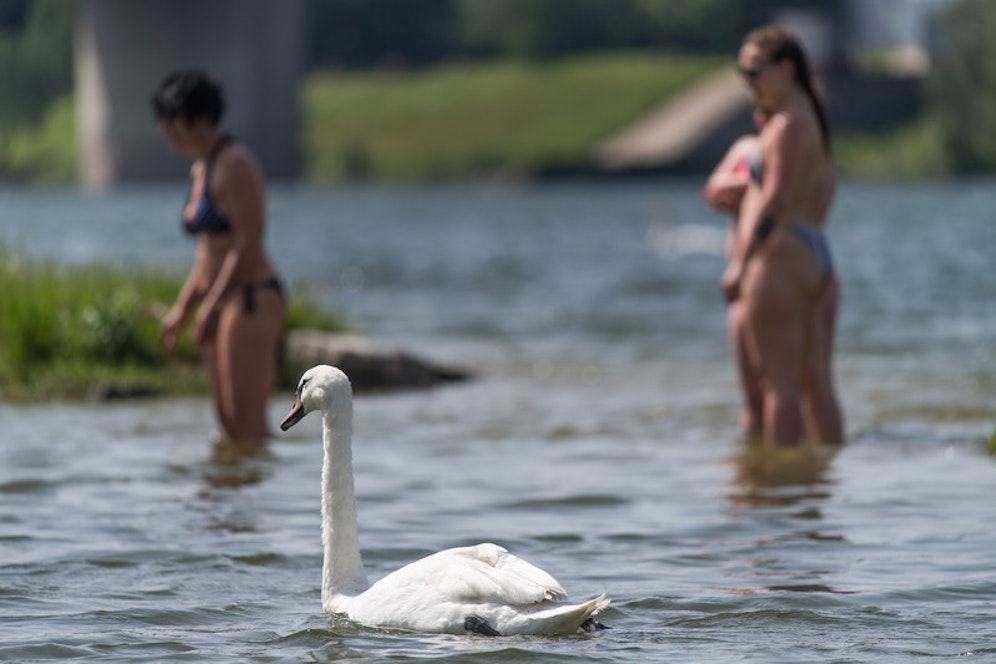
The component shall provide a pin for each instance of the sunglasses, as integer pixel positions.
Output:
(751, 73)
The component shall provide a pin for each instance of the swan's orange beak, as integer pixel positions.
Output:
(294, 416)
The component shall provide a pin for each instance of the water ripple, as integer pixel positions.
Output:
(599, 440)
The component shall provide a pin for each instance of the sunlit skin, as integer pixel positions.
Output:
(726, 190)
(239, 348)
(785, 304)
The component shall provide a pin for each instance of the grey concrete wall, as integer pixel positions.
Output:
(124, 49)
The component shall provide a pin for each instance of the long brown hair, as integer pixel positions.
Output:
(779, 44)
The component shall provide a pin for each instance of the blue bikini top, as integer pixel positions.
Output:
(755, 166)
(207, 218)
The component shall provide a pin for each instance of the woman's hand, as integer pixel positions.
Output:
(729, 283)
(171, 325)
(205, 326)
(725, 192)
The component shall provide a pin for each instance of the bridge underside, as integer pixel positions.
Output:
(125, 48)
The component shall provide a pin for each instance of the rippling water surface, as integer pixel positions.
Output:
(598, 442)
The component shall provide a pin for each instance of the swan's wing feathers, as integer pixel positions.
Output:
(512, 566)
(482, 574)
(488, 573)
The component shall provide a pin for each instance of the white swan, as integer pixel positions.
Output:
(482, 589)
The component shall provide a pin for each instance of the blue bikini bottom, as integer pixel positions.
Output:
(818, 244)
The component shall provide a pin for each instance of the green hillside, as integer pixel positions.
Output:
(465, 120)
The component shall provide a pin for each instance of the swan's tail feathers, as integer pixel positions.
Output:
(599, 604)
(588, 611)
(566, 618)
(578, 615)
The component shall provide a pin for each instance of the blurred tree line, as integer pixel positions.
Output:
(962, 85)
(36, 36)
(370, 33)
(36, 57)
(36, 46)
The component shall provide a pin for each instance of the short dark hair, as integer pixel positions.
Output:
(189, 94)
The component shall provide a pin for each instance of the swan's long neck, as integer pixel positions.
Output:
(342, 572)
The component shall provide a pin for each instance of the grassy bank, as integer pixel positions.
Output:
(44, 152)
(523, 119)
(456, 121)
(466, 120)
(74, 332)
(911, 151)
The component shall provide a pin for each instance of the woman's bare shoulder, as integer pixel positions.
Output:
(237, 166)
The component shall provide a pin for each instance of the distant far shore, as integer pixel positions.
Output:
(487, 120)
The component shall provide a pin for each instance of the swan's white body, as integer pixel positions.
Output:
(439, 592)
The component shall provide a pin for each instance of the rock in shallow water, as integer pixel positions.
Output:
(369, 366)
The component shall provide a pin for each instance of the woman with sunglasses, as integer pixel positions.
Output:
(780, 267)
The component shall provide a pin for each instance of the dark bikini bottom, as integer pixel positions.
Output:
(249, 292)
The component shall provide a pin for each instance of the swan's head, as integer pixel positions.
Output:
(321, 388)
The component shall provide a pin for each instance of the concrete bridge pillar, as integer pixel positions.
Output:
(125, 48)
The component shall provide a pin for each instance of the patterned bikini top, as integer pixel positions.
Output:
(207, 218)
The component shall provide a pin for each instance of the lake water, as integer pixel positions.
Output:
(598, 441)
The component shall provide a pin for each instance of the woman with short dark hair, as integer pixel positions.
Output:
(232, 285)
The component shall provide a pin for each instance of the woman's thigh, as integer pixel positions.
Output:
(778, 305)
(248, 342)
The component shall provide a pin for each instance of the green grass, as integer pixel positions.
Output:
(44, 152)
(68, 332)
(912, 151)
(465, 120)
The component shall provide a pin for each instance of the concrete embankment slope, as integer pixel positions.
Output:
(679, 128)
(691, 131)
